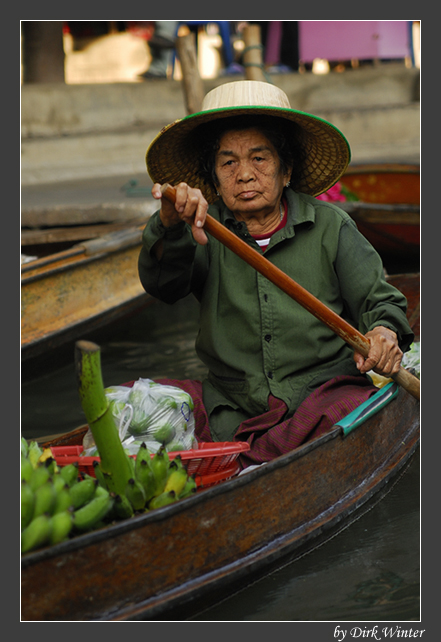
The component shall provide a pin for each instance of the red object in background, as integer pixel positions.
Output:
(141, 29)
(392, 224)
(94, 28)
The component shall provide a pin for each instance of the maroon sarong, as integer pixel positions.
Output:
(269, 434)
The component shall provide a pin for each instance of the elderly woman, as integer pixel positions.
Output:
(277, 376)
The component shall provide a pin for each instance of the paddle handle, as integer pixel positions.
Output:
(307, 300)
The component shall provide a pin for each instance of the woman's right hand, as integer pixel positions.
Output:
(190, 206)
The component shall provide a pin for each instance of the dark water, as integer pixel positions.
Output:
(156, 342)
(370, 572)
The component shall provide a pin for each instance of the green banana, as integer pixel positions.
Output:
(101, 477)
(62, 523)
(178, 462)
(34, 453)
(27, 504)
(36, 534)
(100, 491)
(176, 479)
(146, 477)
(122, 507)
(135, 494)
(143, 463)
(143, 454)
(162, 500)
(63, 499)
(40, 475)
(26, 468)
(89, 515)
(160, 464)
(189, 489)
(45, 498)
(70, 474)
(24, 447)
(82, 492)
(132, 461)
(59, 482)
(51, 465)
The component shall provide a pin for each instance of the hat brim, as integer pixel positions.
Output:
(173, 155)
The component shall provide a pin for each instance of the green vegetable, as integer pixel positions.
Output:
(165, 434)
(114, 461)
(412, 359)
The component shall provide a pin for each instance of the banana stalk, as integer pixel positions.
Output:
(115, 463)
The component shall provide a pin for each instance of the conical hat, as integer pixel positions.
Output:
(173, 156)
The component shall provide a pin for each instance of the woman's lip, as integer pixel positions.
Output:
(248, 194)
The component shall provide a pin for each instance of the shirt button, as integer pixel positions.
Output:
(268, 338)
(270, 375)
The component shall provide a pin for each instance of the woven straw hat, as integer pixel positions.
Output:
(173, 156)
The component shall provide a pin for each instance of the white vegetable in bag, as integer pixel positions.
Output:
(412, 359)
(152, 413)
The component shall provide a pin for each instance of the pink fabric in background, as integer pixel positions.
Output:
(353, 39)
(273, 42)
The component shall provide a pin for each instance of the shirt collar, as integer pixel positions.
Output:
(300, 210)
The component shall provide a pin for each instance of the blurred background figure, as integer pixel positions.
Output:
(282, 46)
(161, 45)
(280, 42)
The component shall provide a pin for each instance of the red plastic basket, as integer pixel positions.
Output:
(211, 463)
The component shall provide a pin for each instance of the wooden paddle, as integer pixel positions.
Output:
(338, 325)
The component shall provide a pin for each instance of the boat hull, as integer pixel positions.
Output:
(172, 561)
(388, 213)
(65, 295)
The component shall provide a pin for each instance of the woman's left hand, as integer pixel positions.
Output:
(384, 356)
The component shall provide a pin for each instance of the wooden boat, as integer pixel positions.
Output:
(80, 289)
(171, 562)
(48, 230)
(388, 209)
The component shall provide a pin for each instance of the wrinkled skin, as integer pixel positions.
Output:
(384, 354)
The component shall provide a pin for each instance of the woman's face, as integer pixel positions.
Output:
(249, 173)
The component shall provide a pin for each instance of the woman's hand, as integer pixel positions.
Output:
(384, 356)
(190, 206)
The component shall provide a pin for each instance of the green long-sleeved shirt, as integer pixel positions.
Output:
(256, 340)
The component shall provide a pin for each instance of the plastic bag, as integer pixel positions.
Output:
(152, 413)
(412, 359)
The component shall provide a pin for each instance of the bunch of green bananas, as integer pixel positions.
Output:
(57, 502)
(156, 481)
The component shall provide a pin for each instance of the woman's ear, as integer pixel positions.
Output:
(287, 177)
